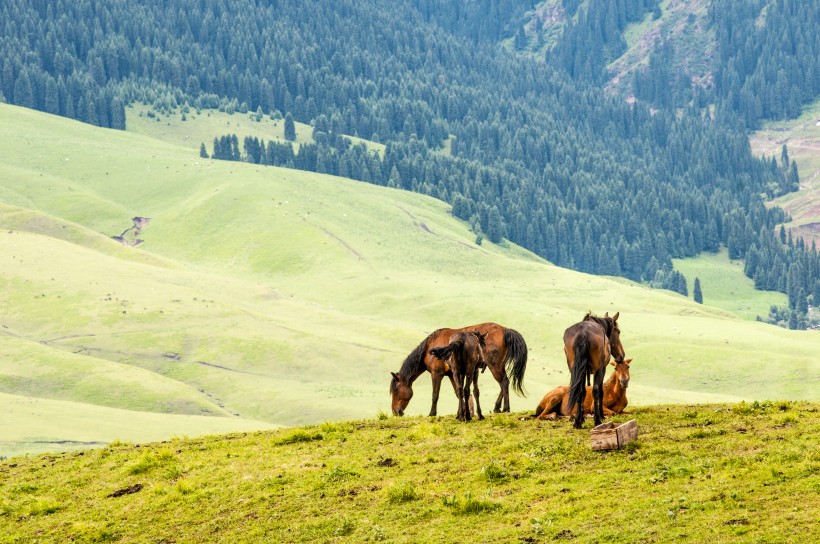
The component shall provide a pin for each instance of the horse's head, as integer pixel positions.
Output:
(622, 372)
(618, 352)
(401, 392)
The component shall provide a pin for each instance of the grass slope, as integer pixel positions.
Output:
(716, 473)
(34, 425)
(202, 127)
(724, 285)
(801, 137)
(287, 296)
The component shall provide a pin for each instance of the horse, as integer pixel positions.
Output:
(465, 356)
(556, 402)
(588, 346)
(505, 354)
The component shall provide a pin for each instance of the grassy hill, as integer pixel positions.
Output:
(703, 473)
(801, 137)
(268, 295)
(724, 285)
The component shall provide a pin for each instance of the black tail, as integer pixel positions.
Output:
(444, 352)
(577, 389)
(516, 362)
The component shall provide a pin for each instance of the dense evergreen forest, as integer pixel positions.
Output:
(523, 149)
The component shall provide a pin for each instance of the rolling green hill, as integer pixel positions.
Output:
(286, 297)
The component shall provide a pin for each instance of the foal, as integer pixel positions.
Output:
(465, 357)
(556, 402)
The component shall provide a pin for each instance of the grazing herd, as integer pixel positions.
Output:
(590, 346)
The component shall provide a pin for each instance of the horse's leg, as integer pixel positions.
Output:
(458, 380)
(598, 395)
(467, 383)
(476, 393)
(436, 388)
(505, 390)
(501, 377)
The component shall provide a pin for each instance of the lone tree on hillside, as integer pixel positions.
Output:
(697, 293)
(290, 128)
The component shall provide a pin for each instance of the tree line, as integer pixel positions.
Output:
(533, 155)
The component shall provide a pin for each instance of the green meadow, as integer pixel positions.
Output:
(724, 285)
(266, 296)
(742, 472)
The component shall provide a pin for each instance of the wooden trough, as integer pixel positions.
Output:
(609, 437)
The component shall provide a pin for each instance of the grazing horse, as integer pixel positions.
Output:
(505, 354)
(465, 356)
(556, 402)
(588, 346)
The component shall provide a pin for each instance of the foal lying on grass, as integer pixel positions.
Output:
(556, 402)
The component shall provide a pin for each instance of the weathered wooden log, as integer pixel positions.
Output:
(609, 437)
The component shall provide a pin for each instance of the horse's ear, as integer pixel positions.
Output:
(627, 361)
(395, 376)
(613, 363)
(606, 314)
(615, 317)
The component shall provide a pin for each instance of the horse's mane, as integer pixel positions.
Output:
(414, 363)
(605, 322)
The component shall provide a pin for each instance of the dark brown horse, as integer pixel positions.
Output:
(588, 346)
(505, 353)
(465, 357)
(556, 402)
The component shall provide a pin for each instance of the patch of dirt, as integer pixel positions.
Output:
(130, 236)
(136, 488)
(347, 246)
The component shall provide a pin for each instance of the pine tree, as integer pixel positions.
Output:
(697, 293)
(290, 127)
(202, 151)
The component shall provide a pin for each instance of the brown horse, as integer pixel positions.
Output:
(465, 357)
(556, 402)
(505, 353)
(588, 346)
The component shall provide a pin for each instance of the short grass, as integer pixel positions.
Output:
(747, 472)
(287, 297)
(724, 285)
(34, 425)
(203, 126)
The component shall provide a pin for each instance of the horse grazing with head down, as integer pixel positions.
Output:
(505, 354)
(588, 345)
(465, 356)
(556, 402)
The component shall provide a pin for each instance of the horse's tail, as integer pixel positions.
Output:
(577, 388)
(444, 352)
(516, 362)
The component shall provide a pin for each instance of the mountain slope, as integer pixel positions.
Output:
(287, 296)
